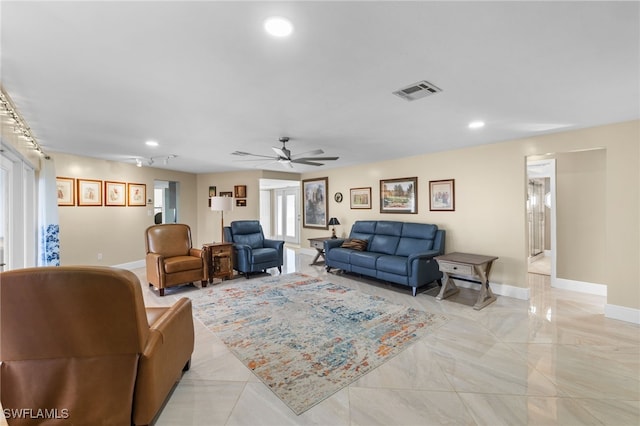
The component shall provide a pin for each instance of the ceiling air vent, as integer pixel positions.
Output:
(417, 90)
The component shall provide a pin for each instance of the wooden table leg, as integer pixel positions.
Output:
(485, 296)
(449, 288)
(320, 252)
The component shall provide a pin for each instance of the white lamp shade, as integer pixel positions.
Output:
(221, 203)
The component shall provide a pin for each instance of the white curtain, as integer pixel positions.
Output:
(48, 226)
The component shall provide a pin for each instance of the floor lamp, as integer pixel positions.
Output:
(221, 204)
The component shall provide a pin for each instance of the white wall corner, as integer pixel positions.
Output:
(580, 286)
(622, 313)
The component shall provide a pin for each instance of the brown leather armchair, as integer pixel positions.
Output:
(79, 341)
(171, 259)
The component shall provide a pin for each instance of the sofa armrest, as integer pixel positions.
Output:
(333, 243)
(424, 255)
(166, 353)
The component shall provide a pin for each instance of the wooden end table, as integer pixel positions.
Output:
(219, 258)
(474, 266)
(318, 244)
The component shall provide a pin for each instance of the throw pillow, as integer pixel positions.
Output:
(356, 244)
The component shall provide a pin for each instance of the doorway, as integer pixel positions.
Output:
(165, 201)
(280, 209)
(541, 217)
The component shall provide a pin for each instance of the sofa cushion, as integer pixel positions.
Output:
(393, 264)
(356, 244)
(364, 259)
(385, 244)
(340, 254)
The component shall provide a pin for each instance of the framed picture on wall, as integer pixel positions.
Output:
(212, 193)
(226, 194)
(240, 191)
(137, 194)
(115, 193)
(66, 189)
(399, 195)
(360, 198)
(315, 203)
(89, 192)
(442, 195)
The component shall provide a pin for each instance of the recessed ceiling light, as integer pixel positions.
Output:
(151, 143)
(476, 124)
(278, 26)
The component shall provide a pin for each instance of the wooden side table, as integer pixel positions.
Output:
(219, 258)
(474, 266)
(318, 244)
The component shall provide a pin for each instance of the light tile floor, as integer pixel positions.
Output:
(552, 360)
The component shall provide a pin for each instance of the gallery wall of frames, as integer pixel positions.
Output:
(92, 192)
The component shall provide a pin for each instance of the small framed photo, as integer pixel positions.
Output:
(137, 194)
(115, 193)
(226, 194)
(442, 195)
(240, 191)
(89, 192)
(315, 203)
(212, 193)
(66, 188)
(360, 198)
(241, 202)
(399, 195)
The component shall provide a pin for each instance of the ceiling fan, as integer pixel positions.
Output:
(285, 158)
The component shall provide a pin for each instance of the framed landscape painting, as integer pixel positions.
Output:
(360, 198)
(442, 195)
(315, 203)
(399, 195)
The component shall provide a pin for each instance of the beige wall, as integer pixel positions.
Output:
(581, 215)
(116, 232)
(490, 184)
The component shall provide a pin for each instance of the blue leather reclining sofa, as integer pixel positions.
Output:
(399, 252)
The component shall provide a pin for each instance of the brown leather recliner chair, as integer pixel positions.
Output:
(171, 259)
(79, 341)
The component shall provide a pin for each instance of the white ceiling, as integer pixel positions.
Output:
(202, 78)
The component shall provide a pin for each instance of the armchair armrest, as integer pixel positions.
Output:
(166, 353)
(154, 265)
(276, 244)
(196, 252)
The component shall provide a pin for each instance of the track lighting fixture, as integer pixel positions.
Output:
(20, 127)
(151, 160)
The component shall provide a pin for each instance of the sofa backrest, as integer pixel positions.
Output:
(398, 238)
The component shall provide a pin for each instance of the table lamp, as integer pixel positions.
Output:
(333, 222)
(221, 204)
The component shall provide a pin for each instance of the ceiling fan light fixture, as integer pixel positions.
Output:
(278, 26)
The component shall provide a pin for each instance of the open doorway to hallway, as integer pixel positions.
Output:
(541, 225)
(280, 209)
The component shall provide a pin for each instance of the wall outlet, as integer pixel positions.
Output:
(99, 256)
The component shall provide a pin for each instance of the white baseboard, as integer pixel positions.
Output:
(622, 313)
(580, 286)
(131, 265)
(499, 289)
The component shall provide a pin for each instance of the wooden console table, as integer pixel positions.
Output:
(219, 258)
(318, 244)
(474, 266)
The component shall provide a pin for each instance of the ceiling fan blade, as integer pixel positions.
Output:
(245, 154)
(282, 152)
(308, 153)
(317, 158)
(307, 162)
(285, 163)
(255, 159)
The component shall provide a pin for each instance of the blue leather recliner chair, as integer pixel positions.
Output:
(253, 252)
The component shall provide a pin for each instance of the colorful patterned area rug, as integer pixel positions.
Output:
(307, 338)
